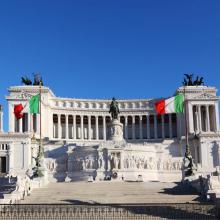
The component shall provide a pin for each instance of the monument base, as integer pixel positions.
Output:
(116, 130)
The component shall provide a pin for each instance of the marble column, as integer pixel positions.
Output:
(141, 127)
(50, 125)
(148, 126)
(89, 127)
(59, 126)
(207, 119)
(189, 113)
(32, 124)
(67, 127)
(20, 125)
(11, 118)
(38, 124)
(97, 127)
(29, 122)
(126, 127)
(162, 126)
(82, 127)
(155, 126)
(216, 116)
(74, 127)
(10, 158)
(199, 117)
(133, 127)
(104, 128)
(170, 125)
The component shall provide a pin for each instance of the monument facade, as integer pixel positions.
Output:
(81, 138)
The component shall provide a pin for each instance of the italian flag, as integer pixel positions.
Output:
(171, 105)
(33, 107)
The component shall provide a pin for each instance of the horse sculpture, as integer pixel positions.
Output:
(188, 80)
(26, 81)
(114, 109)
(37, 80)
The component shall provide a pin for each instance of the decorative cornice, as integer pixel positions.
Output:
(30, 89)
(197, 89)
(100, 112)
(11, 136)
(204, 96)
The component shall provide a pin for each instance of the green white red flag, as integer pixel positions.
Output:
(18, 111)
(33, 107)
(171, 105)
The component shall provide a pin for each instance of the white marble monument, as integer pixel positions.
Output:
(139, 145)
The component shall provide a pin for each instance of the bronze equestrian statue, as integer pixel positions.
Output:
(114, 109)
(26, 81)
(188, 80)
(37, 80)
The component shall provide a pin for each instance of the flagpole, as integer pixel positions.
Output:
(41, 154)
(40, 120)
(188, 156)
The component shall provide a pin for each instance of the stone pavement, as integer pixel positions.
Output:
(111, 193)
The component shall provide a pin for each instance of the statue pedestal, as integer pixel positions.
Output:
(116, 130)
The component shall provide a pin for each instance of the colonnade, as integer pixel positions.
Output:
(204, 118)
(97, 127)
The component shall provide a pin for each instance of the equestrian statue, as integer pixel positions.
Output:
(114, 109)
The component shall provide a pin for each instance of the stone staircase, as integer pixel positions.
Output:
(111, 201)
(112, 192)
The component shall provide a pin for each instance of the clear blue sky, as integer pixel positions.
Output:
(100, 49)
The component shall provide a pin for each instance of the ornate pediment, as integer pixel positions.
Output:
(206, 96)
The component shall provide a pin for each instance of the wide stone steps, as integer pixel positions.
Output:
(111, 201)
(116, 193)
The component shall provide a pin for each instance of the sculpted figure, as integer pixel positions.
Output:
(126, 163)
(133, 164)
(146, 164)
(117, 162)
(87, 163)
(151, 163)
(109, 162)
(50, 165)
(114, 109)
(209, 182)
(113, 131)
(83, 164)
(159, 164)
(188, 80)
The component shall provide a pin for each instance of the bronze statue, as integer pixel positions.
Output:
(188, 80)
(114, 109)
(201, 82)
(37, 79)
(26, 81)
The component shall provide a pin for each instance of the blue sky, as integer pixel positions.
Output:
(100, 49)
